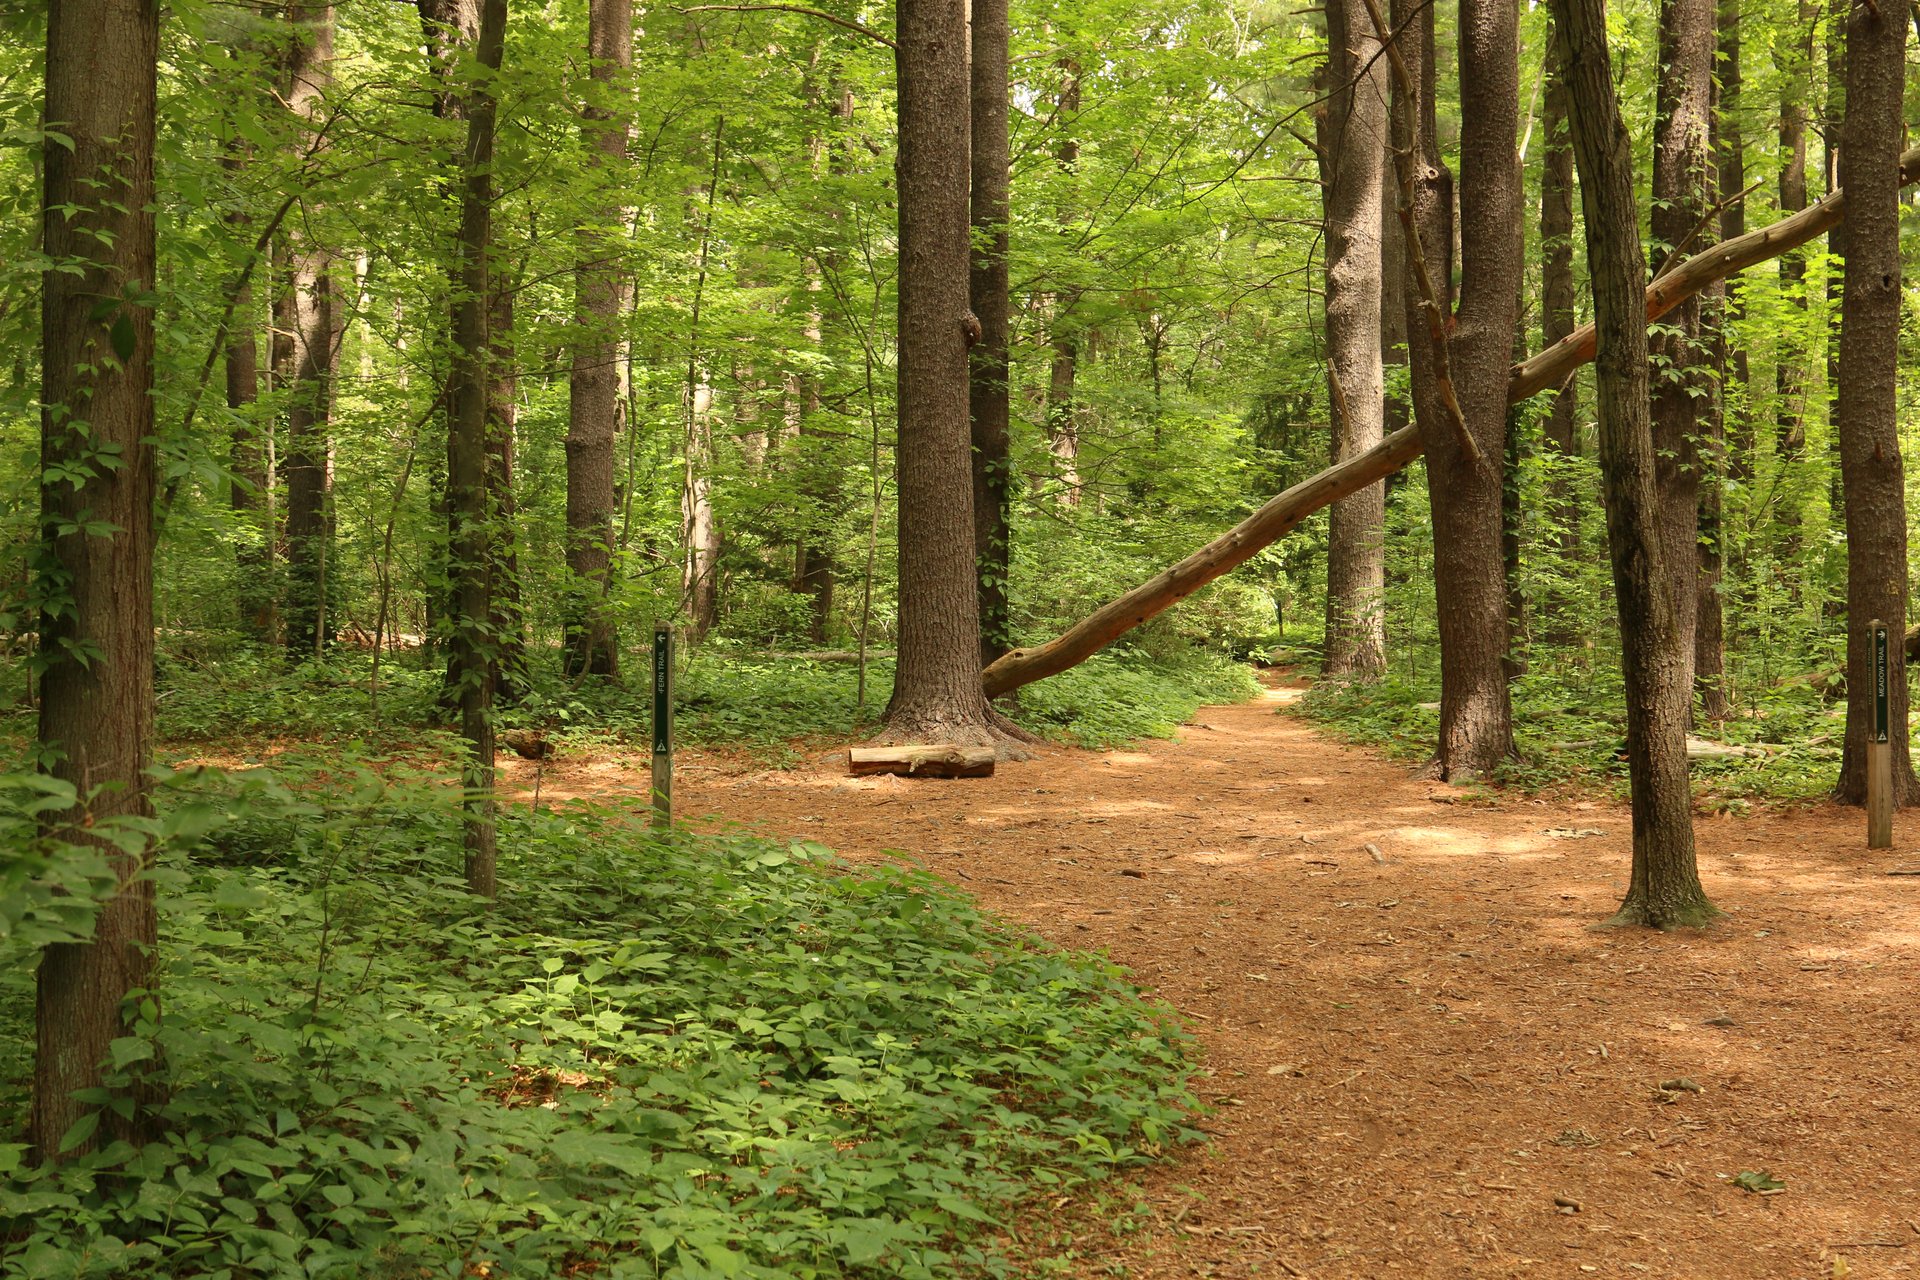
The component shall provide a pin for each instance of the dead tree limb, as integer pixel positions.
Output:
(1281, 515)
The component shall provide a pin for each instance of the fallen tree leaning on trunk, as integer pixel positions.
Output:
(1282, 514)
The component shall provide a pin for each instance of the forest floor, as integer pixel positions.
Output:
(1425, 1059)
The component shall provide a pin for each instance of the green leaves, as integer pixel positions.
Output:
(691, 1058)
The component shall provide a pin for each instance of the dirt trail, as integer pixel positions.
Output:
(1415, 1057)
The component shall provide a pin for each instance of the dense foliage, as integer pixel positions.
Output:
(688, 1057)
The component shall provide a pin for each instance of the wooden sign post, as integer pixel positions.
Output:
(662, 725)
(1879, 748)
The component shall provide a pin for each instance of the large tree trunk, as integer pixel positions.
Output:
(1682, 160)
(1476, 714)
(96, 575)
(308, 320)
(1664, 890)
(1557, 319)
(1284, 513)
(474, 646)
(1353, 165)
(936, 693)
(1876, 506)
(594, 403)
(987, 365)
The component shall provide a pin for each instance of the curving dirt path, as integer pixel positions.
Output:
(1426, 1060)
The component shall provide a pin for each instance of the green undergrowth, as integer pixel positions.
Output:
(1570, 729)
(654, 1057)
(1114, 698)
(772, 707)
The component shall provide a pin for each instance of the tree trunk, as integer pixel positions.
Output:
(1476, 714)
(1557, 320)
(937, 692)
(1876, 507)
(987, 364)
(1665, 889)
(96, 625)
(511, 675)
(1063, 339)
(1353, 163)
(1790, 377)
(251, 492)
(1682, 160)
(820, 470)
(701, 536)
(594, 404)
(1833, 128)
(472, 518)
(308, 312)
(1717, 316)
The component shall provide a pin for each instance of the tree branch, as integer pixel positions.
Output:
(858, 28)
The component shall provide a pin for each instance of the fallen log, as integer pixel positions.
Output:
(1281, 515)
(922, 760)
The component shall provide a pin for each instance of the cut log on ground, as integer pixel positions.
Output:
(922, 760)
(1280, 516)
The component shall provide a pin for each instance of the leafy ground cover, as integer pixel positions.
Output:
(771, 707)
(1571, 729)
(654, 1057)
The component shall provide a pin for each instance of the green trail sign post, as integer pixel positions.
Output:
(1880, 746)
(662, 725)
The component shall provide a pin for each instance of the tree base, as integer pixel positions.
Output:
(1637, 913)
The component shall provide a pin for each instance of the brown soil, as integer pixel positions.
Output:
(1427, 1060)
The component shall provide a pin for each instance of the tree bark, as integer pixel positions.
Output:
(937, 692)
(96, 583)
(248, 456)
(1063, 339)
(474, 646)
(594, 401)
(1665, 889)
(1557, 320)
(1476, 715)
(988, 289)
(1831, 131)
(1876, 507)
(1790, 377)
(1353, 163)
(1682, 160)
(307, 318)
(701, 568)
(511, 675)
